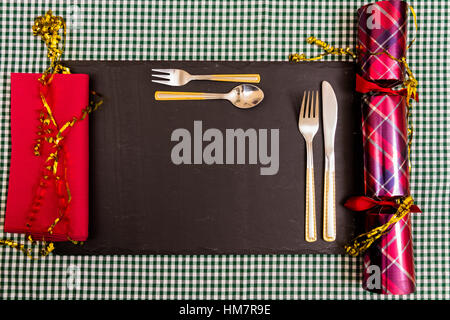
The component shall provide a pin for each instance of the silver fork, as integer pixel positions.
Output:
(178, 77)
(308, 124)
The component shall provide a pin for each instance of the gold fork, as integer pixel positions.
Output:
(178, 77)
(308, 124)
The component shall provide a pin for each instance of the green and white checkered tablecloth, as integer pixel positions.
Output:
(229, 30)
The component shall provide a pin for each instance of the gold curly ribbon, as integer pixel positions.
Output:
(362, 242)
(49, 28)
(415, 25)
(17, 246)
(326, 47)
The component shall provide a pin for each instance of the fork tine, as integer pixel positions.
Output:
(308, 105)
(302, 109)
(316, 112)
(166, 82)
(162, 75)
(163, 70)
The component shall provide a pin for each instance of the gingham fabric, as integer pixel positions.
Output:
(230, 30)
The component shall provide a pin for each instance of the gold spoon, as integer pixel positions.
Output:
(244, 96)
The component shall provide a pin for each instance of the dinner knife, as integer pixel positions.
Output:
(329, 118)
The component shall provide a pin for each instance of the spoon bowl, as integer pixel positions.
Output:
(245, 96)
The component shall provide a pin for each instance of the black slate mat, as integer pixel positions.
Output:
(142, 203)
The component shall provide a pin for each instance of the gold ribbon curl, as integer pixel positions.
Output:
(48, 27)
(18, 246)
(326, 47)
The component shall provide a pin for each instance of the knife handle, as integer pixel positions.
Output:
(329, 201)
(310, 216)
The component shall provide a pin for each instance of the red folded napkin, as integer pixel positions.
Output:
(68, 95)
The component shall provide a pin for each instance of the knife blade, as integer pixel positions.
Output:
(329, 119)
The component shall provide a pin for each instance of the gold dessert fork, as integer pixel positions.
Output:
(308, 124)
(178, 77)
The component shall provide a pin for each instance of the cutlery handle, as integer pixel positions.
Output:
(173, 95)
(329, 200)
(310, 223)
(249, 78)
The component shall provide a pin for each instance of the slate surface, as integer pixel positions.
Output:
(142, 203)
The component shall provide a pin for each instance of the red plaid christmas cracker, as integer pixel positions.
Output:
(388, 263)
